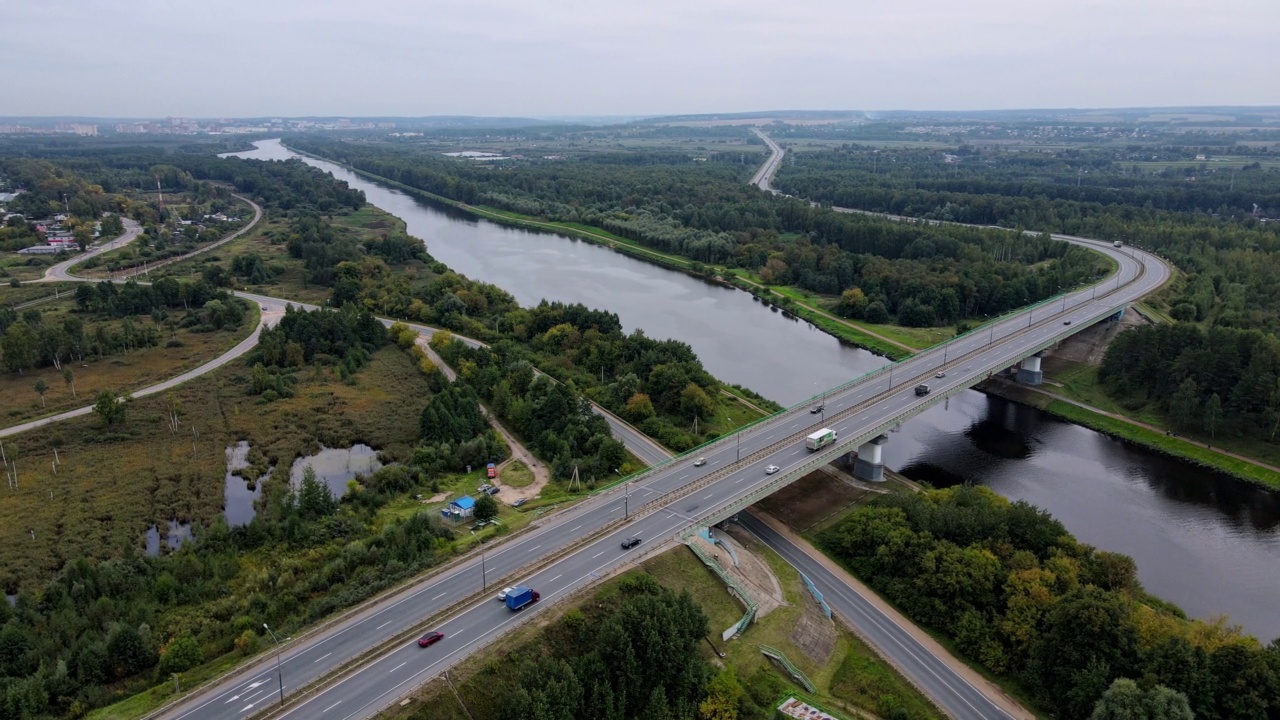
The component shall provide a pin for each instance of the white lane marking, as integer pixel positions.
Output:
(332, 706)
(682, 477)
(707, 496)
(250, 697)
(738, 480)
(574, 529)
(406, 662)
(535, 547)
(383, 625)
(593, 557)
(440, 596)
(321, 658)
(556, 578)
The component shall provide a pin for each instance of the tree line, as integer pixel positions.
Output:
(1019, 595)
(29, 342)
(1203, 222)
(1220, 380)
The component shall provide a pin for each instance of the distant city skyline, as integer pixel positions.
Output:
(298, 58)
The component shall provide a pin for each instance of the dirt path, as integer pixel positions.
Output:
(541, 475)
(993, 691)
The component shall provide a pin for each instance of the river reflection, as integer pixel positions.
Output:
(1201, 540)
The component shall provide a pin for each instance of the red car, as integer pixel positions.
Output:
(430, 638)
(493, 470)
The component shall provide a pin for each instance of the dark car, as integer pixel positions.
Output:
(630, 543)
(430, 638)
(816, 409)
(494, 490)
(1066, 322)
(519, 502)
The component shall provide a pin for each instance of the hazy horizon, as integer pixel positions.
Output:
(560, 58)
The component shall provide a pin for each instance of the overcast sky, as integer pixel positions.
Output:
(228, 58)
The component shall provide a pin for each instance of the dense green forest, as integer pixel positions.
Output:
(1019, 595)
(1217, 381)
(1201, 218)
(700, 206)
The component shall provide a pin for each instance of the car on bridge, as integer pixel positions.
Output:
(816, 409)
(430, 638)
(771, 469)
(940, 375)
(1066, 322)
(502, 596)
(700, 462)
(630, 542)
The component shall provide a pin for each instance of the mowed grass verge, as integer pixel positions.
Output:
(113, 482)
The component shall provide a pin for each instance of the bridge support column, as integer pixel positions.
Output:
(870, 463)
(1030, 373)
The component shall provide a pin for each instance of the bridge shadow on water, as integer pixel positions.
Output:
(997, 439)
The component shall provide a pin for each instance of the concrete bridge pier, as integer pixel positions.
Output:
(1030, 373)
(869, 464)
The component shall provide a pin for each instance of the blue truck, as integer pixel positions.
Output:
(520, 596)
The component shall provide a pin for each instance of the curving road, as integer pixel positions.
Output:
(59, 272)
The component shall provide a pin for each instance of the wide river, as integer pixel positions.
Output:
(1206, 542)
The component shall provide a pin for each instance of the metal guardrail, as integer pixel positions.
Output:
(752, 606)
(817, 595)
(795, 672)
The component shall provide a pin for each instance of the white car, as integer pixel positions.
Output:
(771, 469)
(503, 595)
(940, 375)
(700, 462)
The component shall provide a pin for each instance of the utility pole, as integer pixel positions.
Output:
(279, 672)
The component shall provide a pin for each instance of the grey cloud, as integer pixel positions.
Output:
(558, 57)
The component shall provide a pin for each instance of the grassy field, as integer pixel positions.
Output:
(13, 296)
(123, 372)
(23, 267)
(854, 681)
(114, 482)
(517, 475)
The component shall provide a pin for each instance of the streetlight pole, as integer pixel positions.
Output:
(626, 498)
(483, 583)
(279, 672)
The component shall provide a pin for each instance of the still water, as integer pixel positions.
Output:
(1203, 541)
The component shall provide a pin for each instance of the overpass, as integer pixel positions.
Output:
(569, 551)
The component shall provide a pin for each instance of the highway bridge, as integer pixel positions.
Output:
(368, 661)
